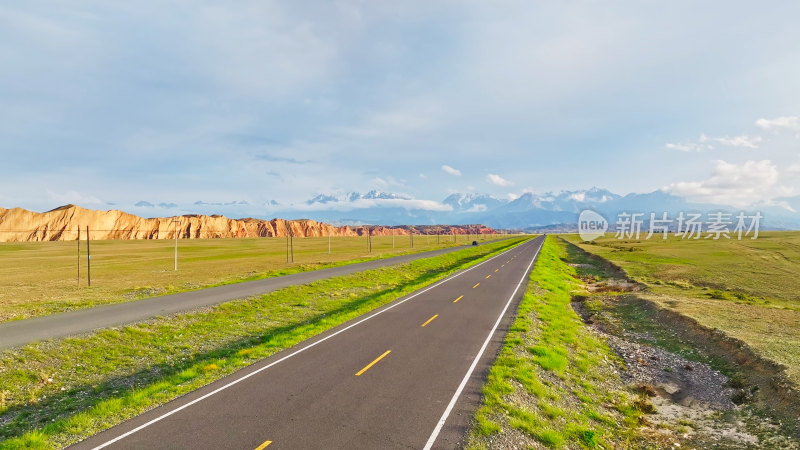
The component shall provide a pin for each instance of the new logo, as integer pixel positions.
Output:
(591, 225)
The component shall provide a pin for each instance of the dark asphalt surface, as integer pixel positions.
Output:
(310, 396)
(21, 332)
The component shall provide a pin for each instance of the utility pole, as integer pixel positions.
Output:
(412, 237)
(289, 243)
(176, 222)
(329, 241)
(88, 259)
(79, 256)
(369, 238)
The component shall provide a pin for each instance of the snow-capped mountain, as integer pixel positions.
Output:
(569, 201)
(354, 196)
(473, 203)
(530, 210)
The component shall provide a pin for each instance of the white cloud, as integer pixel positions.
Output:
(578, 196)
(512, 196)
(704, 143)
(689, 147)
(497, 180)
(736, 141)
(732, 184)
(451, 171)
(783, 122)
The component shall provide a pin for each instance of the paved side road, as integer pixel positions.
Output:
(21, 332)
(407, 375)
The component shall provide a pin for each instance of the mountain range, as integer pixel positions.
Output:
(70, 222)
(528, 211)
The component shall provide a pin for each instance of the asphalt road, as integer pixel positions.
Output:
(407, 375)
(21, 332)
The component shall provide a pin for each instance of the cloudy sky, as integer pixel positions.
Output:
(241, 103)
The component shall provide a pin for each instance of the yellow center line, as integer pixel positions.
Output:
(495, 270)
(459, 298)
(373, 363)
(476, 285)
(264, 445)
(488, 276)
(503, 265)
(430, 320)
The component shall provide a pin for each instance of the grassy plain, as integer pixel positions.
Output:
(54, 393)
(555, 383)
(748, 289)
(40, 278)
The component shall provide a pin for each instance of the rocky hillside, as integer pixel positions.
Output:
(20, 225)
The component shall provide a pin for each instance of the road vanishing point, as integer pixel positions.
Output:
(407, 375)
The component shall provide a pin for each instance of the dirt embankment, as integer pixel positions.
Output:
(695, 400)
(763, 381)
(20, 225)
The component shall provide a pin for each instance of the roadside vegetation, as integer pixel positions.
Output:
(57, 392)
(590, 362)
(40, 278)
(748, 289)
(707, 389)
(555, 383)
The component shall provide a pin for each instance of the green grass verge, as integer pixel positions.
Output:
(554, 383)
(56, 393)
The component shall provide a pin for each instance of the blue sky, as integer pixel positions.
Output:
(106, 104)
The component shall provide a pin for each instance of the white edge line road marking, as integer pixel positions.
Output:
(165, 415)
(461, 386)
